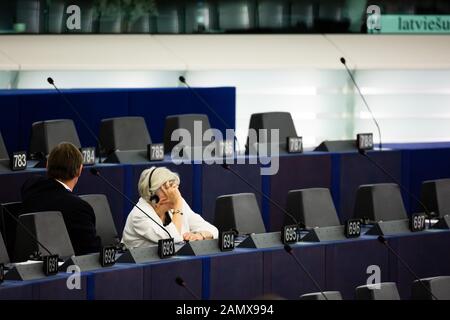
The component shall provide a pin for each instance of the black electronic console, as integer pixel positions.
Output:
(332, 233)
(383, 228)
(262, 240)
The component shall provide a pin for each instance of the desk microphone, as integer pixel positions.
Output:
(75, 111)
(208, 106)
(363, 99)
(262, 194)
(288, 249)
(383, 240)
(28, 232)
(179, 281)
(95, 172)
(387, 173)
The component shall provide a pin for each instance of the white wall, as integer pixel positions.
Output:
(406, 79)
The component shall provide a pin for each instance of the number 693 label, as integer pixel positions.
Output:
(166, 248)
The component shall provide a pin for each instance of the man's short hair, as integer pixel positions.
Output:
(64, 162)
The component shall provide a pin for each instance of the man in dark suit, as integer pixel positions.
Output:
(54, 193)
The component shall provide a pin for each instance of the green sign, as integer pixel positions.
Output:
(426, 24)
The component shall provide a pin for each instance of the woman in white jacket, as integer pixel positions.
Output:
(161, 199)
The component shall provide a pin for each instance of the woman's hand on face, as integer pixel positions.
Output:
(173, 194)
(190, 236)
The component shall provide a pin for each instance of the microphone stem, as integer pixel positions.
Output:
(365, 103)
(375, 163)
(263, 195)
(74, 110)
(192, 293)
(208, 106)
(309, 275)
(403, 262)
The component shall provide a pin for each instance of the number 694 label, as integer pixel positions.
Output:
(226, 241)
(18, 161)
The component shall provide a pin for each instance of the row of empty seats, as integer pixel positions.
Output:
(50, 229)
(422, 289)
(131, 133)
(313, 207)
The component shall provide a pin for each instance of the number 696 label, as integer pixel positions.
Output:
(353, 228)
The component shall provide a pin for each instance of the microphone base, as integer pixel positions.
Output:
(262, 241)
(140, 255)
(443, 223)
(86, 262)
(384, 228)
(24, 272)
(332, 233)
